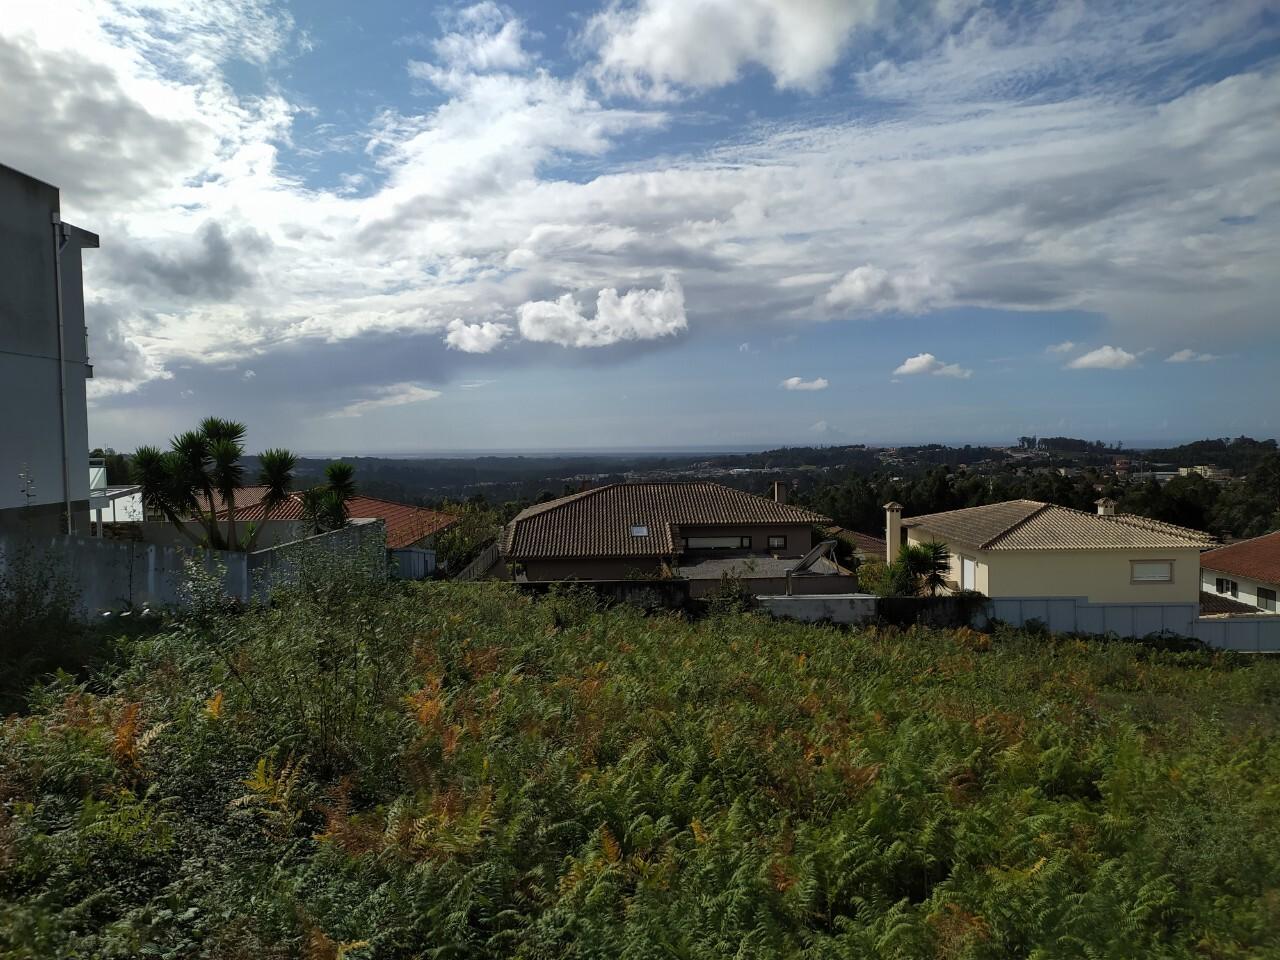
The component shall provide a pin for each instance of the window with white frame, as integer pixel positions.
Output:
(1266, 600)
(1225, 585)
(968, 573)
(1151, 571)
(777, 543)
(639, 530)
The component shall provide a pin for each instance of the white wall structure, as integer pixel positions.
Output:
(1246, 589)
(112, 576)
(44, 452)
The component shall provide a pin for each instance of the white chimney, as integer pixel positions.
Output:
(892, 530)
(780, 491)
(1106, 507)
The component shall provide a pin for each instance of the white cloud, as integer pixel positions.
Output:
(475, 337)
(654, 47)
(928, 363)
(797, 383)
(1011, 159)
(486, 41)
(1104, 358)
(1066, 346)
(248, 375)
(393, 395)
(474, 384)
(869, 288)
(636, 315)
(1190, 356)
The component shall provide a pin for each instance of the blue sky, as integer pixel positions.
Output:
(664, 223)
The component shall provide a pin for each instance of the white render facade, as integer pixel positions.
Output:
(1255, 593)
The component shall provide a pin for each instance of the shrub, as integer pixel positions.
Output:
(405, 770)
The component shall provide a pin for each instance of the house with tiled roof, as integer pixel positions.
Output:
(1247, 572)
(1025, 548)
(411, 530)
(696, 530)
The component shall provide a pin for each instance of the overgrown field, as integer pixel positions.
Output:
(456, 771)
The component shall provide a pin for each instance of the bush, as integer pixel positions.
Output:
(39, 631)
(406, 770)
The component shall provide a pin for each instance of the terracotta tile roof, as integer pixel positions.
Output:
(1215, 604)
(1257, 559)
(249, 496)
(1032, 525)
(406, 524)
(862, 543)
(598, 522)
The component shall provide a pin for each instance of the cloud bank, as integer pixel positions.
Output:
(1000, 162)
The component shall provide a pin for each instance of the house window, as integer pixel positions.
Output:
(717, 543)
(1225, 585)
(968, 573)
(639, 531)
(1151, 571)
(777, 543)
(1266, 600)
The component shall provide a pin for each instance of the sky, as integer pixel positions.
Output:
(404, 228)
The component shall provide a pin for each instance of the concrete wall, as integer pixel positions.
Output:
(1079, 615)
(412, 563)
(800, 585)
(115, 575)
(29, 361)
(1102, 576)
(1250, 634)
(846, 608)
(1247, 588)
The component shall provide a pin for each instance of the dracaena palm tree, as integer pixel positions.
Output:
(325, 507)
(180, 483)
(224, 440)
(925, 566)
(275, 472)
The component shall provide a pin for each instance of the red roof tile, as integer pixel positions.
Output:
(406, 524)
(1258, 559)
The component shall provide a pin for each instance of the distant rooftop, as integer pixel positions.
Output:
(604, 521)
(1032, 525)
(1257, 559)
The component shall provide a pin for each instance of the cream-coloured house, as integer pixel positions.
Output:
(1024, 548)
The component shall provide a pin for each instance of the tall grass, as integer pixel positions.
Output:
(456, 770)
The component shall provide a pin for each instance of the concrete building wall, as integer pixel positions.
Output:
(799, 536)
(1101, 576)
(591, 569)
(29, 366)
(1247, 589)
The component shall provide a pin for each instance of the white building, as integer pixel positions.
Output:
(1248, 572)
(44, 442)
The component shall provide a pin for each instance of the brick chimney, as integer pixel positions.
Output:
(780, 491)
(1106, 507)
(892, 530)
